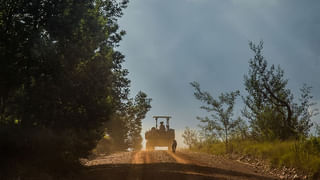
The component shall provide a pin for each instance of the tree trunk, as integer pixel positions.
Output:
(226, 132)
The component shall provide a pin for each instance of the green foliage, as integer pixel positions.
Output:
(222, 123)
(117, 129)
(104, 146)
(317, 126)
(61, 80)
(269, 104)
(136, 113)
(241, 130)
(125, 126)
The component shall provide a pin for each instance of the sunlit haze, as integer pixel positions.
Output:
(172, 43)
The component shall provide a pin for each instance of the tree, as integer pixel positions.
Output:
(269, 103)
(317, 130)
(222, 112)
(305, 111)
(125, 126)
(117, 128)
(137, 113)
(241, 130)
(61, 79)
(190, 137)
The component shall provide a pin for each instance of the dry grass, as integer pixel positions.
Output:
(302, 154)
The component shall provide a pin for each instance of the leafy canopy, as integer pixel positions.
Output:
(270, 105)
(61, 79)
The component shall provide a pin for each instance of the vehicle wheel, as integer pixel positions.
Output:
(149, 147)
(173, 148)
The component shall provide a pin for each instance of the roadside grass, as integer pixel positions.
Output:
(302, 154)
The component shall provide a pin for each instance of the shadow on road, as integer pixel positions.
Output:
(162, 171)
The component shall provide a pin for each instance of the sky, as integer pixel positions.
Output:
(170, 43)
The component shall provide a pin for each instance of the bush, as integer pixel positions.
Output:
(103, 146)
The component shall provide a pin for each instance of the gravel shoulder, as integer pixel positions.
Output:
(167, 165)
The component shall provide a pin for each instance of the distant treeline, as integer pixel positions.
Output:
(62, 85)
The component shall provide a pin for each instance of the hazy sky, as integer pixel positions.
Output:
(170, 43)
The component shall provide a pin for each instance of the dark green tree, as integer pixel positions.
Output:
(117, 128)
(60, 79)
(125, 125)
(137, 112)
(222, 112)
(269, 104)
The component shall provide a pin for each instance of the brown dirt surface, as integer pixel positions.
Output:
(163, 165)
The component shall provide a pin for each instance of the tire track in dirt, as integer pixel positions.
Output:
(141, 157)
(147, 159)
(235, 171)
(138, 158)
(178, 159)
(194, 172)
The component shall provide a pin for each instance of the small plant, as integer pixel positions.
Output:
(221, 122)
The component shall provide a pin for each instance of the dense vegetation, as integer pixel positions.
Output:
(123, 131)
(278, 126)
(61, 82)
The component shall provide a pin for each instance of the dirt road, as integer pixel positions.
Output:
(163, 165)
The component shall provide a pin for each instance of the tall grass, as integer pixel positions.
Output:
(301, 154)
